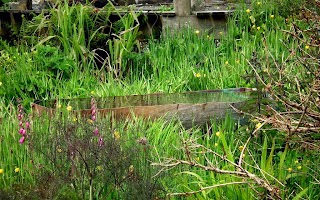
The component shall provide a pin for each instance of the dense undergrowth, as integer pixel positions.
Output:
(77, 52)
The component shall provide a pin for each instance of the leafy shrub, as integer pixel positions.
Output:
(53, 61)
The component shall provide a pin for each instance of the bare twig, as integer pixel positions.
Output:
(204, 188)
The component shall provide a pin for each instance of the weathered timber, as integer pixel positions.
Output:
(191, 108)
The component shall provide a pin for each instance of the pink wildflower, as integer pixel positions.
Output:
(96, 131)
(20, 116)
(100, 142)
(22, 139)
(22, 131)
(27, 125)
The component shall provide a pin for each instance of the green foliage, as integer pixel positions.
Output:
(64, 158)
(54, 59)
(33, 74)
(281, 166)
(123, 43)
(113, 169)
(71, 28)
(288, 8)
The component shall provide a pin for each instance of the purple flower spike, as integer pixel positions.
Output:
(22, 129)
(101, 143)
(96, 131)
(22, 139)
(93, 109)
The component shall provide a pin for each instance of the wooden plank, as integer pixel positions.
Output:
(212, 12)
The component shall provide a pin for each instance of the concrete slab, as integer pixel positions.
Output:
(212, 25)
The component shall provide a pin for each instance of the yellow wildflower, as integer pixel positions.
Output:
(116, 135)
(258, 28)
(289, 169)
(241, 148)
(253, 27)
(198, 75)
(255, 120)
(271, 16)
(258, 125)
(90, 121)
(1, 171)
(244, 155)
(248, 11)
(59, 150)
(0, 83)
(197, 159)
(69, 108)
(299, 167)
(252, 19)
(99, 168)
(59, 106)
(218, 134)
(208, 36)
(306, 47)
(92, 92)
(226, 62)
(75, 119)
(17, 170)
(215, 144)
(258, 3)
(197, 32)
(220, 32)
(296, 162)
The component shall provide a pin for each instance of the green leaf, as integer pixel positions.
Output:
(269, 164)
(226, 147)
(281, 163)
(302, 193)
(43, 41)
(264, 154)
(195, 175)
